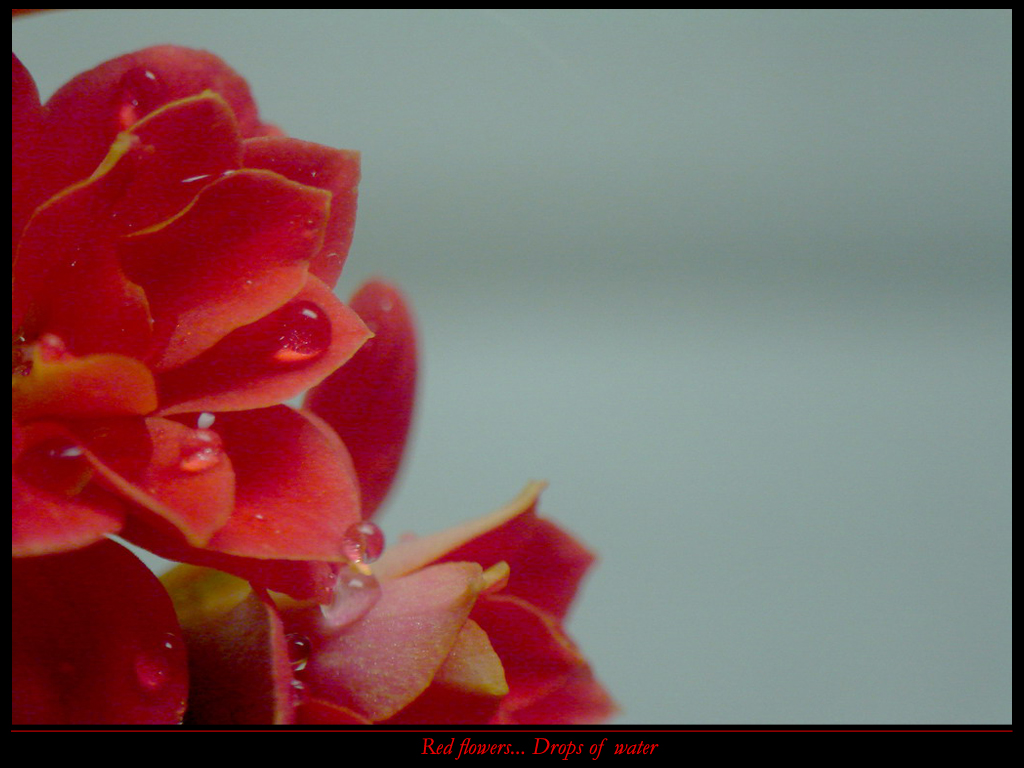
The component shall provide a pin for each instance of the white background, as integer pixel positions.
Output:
(737, 284)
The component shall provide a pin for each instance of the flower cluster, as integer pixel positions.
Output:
(174, 260)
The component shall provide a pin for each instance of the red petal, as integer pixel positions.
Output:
(580, 700)
(180, 475)
(66, 277)
(315, 165)
(88, 112)
(27, 189)
(275, 358)
(546, 563)
(296, 494)
(541, 664)
(369, 401)
(240, 252)
(295, 498)
(240, 669)
(54, 507)
(94, 641)
(178, 150)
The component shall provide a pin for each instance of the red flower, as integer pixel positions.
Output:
(172, 275)
(173, 265)
(463, 627)
(173, 260)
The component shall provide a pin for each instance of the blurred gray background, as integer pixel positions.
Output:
(738, 284)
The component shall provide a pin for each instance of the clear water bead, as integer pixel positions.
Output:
(304, 332)
(363, 542)
(141, 91)
(298, 650)
(355, 592)
(153, 667)
(201, 449)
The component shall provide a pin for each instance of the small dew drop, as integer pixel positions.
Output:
(61, 451)
(201, 449)
(298, 692)
(355, 592)
(141, 92)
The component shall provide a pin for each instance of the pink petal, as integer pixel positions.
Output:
(383, 662)
(468, 687)
(579, 700)
(317, 712)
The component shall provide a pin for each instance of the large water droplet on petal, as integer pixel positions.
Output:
(303, 332)
(355, 592)
(52, 347)
(298, 650)
(56, 465)
(141, 92)
(153, 667)
(363, 542)
(200, 450)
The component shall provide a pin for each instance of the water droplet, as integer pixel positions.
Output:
(303, 332)
(153, 668)
(56, 465)
(363, 542)
(200, 449)
(298, 692)
(298, 650)
(355, 592)
(69, 451)
(51, 347)
(141, 92)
